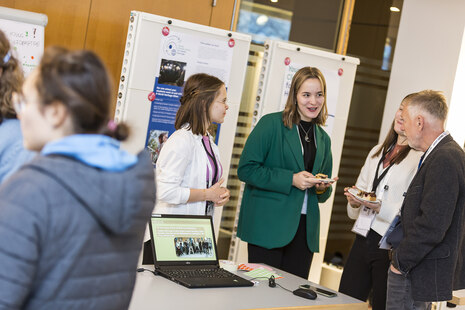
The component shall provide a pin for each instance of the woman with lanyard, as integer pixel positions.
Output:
(388, 171)
(280, 215)
(188, 169)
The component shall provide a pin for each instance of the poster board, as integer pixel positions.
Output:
(281, 60)
(25, 30)
(161, 53)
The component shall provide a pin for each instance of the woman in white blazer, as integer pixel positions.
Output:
(189, 169)
(388, 171)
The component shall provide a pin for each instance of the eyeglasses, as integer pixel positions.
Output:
(18, 103)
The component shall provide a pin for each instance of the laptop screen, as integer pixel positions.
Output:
(178, 238)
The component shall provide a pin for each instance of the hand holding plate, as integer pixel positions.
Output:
(354, 202)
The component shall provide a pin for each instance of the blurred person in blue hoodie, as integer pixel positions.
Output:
(72, 220)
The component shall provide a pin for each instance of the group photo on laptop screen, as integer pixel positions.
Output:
(183, 239)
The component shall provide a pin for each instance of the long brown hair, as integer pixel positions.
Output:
(11, 78)
(198, 95)
(391, 140)
(290, 114)
(79, 80)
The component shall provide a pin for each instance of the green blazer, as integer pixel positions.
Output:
(271, 206)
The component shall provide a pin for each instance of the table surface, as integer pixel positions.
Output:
(156, 292)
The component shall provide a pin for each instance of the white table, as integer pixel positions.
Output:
(156, 292)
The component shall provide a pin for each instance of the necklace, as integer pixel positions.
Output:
(307, 139)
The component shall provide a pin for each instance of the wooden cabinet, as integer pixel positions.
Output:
(67, 20)
(108, 23)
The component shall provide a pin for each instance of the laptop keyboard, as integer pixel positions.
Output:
(198, 273)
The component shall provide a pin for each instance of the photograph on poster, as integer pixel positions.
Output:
(156, 141)
(193, 247)
(172, 72)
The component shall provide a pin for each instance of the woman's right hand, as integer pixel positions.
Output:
(354, 202)
(301, 180)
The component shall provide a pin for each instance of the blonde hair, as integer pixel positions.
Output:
(11, 78)
(290, 114)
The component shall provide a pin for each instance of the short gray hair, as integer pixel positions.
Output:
(431, 101)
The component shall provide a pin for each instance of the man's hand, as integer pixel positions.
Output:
(393, 269)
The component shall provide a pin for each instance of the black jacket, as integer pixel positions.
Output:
(432, 251)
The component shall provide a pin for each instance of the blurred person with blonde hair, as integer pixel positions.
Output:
(12, 152)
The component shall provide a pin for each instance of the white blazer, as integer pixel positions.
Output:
(182, 165)
(390, 190)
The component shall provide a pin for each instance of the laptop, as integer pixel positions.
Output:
(184, 251)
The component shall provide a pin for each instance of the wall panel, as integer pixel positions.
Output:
(108, 23)
(67, 20)
(222, 14)
(101, 25)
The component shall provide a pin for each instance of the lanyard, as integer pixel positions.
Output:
(377, 179)
(421, 160)
(209, 205)
(432, 146)
(213, 158)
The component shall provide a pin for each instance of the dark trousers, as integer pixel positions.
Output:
(294, 258)
(366, 269)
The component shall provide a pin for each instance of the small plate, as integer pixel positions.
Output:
(354, 192)
(327, 180)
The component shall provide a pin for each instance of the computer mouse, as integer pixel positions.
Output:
(305, 293)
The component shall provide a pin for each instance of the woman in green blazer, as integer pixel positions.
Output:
(280, 217)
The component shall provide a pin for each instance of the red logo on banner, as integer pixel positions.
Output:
(340, 71)
(165, 31)
(231, 43)
(151, 96)
(287, 61)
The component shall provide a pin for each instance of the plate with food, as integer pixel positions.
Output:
(323, 178)
(364, 196)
